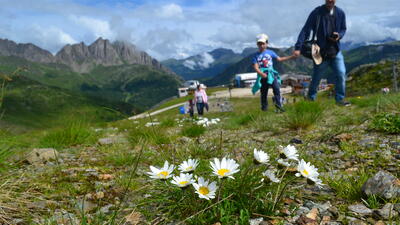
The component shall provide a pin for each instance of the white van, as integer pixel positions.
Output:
(191, 84)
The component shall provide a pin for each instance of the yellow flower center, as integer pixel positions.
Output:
(189, 168)
(305, 172)
(222, 172)
(183, 182)
(163, 174)
(204, 190)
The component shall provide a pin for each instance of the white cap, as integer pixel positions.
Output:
(262, 38)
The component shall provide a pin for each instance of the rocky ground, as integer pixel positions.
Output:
(102, 184)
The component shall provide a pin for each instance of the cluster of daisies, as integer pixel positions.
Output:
(205, 122)
(289, 157)
(226, 168)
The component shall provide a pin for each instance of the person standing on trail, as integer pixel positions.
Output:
(266, 75)
(329, 23)
(200, 99)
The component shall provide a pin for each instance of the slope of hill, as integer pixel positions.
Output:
(371, 78)
(30, 104)
(139, 86)
(371, 54)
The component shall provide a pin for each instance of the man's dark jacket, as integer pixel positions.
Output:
(322, 35)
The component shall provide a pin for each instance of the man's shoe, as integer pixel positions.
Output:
(280, 108)
(343, 103)
(264, 109)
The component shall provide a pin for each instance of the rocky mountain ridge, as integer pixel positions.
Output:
(81, 57)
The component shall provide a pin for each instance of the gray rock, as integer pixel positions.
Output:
(368, 142)
(184, 140)
(106, 209)
(382, 184)
(360, 209)
(322, 208)
(387, 212)
(397, 207)
(41, 156)
(256, 221)
(85, 206)
(112, 140)
(63, 217)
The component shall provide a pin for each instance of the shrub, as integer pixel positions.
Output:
(349, 187)
(386, 122)
(303, 114)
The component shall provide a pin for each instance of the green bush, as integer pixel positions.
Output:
(193, 131)
(303, 114)
(349, 187)
(74, 133)
(386, 122)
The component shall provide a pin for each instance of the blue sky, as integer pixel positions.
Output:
(180, 28)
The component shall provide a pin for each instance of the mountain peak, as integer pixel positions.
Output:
(27, 51)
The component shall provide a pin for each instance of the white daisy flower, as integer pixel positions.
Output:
(308, 171)
(205, 189)
(283, 162)
(224, 168)
(189, 165)
(270, 174)
(261, 157)
(183, 180)
(289, 152)
(163, 173)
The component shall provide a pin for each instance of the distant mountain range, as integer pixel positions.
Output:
(83, 58)
(219, 66)
(206, 65)
(116, 75)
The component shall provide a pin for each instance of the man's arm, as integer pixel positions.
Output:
(343, 26)
(305, 32)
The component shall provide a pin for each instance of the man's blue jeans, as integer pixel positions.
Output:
(339, 70)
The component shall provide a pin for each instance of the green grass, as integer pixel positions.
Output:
(303, 115)
(193, 130)
(387, 123)
(349, 187)
(75, 133)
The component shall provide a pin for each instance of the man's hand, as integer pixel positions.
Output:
(296, 53)
(335, 37)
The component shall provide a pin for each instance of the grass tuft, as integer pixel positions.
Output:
(75, 133)
(303, 115)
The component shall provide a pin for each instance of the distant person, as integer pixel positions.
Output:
(331, 29)
(263, 65)
(200, 99)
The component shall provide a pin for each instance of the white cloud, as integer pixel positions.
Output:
(171, 11)
(97, 27)
(206, 60)
(169, 28)
(189, 64)
(49, 37)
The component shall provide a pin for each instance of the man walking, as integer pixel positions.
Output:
(331, 29)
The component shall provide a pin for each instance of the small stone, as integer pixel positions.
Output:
(325, 220)
(256, 221)
(360, 209)
(382, 184)
(296, 141)
(40, 156)
(106, 209)
(85, 206)
(387, 212)
(380, 223)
